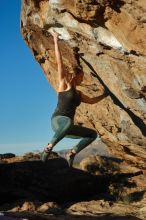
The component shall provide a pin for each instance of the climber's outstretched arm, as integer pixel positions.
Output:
(87, 99)
(61, 73)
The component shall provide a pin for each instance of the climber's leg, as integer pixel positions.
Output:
(60, 125)
(88, 136)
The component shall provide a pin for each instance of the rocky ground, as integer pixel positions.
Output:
(100, 188)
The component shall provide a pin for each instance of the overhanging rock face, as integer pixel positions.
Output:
(107, 38)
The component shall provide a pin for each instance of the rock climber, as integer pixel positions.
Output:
(62, 120)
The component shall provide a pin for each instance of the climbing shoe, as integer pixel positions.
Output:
(70, 158)
(45, 154)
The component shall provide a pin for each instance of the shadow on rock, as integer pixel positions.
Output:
(53, 181)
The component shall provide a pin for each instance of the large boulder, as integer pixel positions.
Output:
(107, 38)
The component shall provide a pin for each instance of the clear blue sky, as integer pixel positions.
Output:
(27, 100)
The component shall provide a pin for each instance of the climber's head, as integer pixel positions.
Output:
(78, 77)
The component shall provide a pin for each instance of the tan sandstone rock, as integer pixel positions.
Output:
(107, 38)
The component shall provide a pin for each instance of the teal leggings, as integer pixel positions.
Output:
(63, 126)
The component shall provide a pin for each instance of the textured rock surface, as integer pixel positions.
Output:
(32, 190)
(107, 38)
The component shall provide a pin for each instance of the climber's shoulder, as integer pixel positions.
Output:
(63, 85)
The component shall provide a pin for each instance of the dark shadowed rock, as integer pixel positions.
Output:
(52, 180)
(7, 156)
(29, 188)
